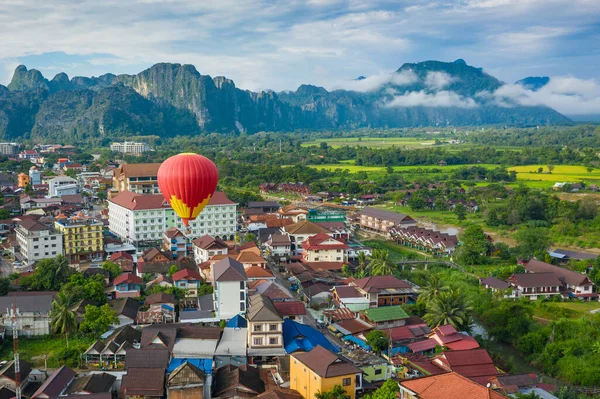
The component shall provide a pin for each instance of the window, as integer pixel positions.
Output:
(378, 371)
(242, 296)
(242, 286)
(242, 306)
(273, 341)
(258, 341)
(347, 382)
(257, 327)
(36, 239)
(273, 327)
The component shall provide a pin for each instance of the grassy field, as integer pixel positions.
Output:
(571, 310)
(33, 350)
(372, 142)
(408, 171)
(561, 173)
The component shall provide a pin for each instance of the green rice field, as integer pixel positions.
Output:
(372, 142)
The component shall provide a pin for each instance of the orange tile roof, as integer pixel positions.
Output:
(449, 386)
(258, 272)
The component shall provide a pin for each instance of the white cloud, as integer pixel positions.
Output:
(375, 82)
(566, 94)
(437, 80)
(443, 99)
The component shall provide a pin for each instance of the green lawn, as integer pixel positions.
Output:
(397, 252)
(33, 350)
(570, 310)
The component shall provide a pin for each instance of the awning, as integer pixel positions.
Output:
(359, 342)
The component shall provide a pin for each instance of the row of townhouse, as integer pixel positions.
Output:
(426, 240)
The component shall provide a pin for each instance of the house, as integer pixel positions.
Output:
(293, 310)
(161, 309)
(111, 351)
(37, 241)
(33, 311)
(381, 221)
(426, 240)
(385, 290)
(374, 368)
(83, 240)
(8, 378)
(352, 327)
(494, 284)
(319, 370)
(175, 241)
(188, 280)
(265, 328)
(250, 258)
(475, 364)
(447, 386)
(233, 381)
(338, 230)
(143, 383)
(55, 384)
(127, 285)
(91, 384)
(147, 358)
(293, 212)
(206, 247)
(576, 284)
(301, 231)
(186, 381)
(232, 346)
(258, 273)
(447, 336)
(139, 178)
(534, 285)
(127, 310)
(279, 395)
(514, 383)
(384, 317)
(299, 337)
(230, 291)
(271, 289)
(265, 206)
(323, 248)
(123, 259)
(62, 185)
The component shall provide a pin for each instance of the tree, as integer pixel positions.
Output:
(377, 340)
(532, 241)
(4, 214)
(62, 316)
(475, 245)
(98, 319)
(388, 390)
(362, 261)
(380, 264)
(250, 237)
(460, 211)
(508, 321)
(589, 168)
(337, 392)
(449, 308)
(550, 168)
(172, 270)
(205, 289)
(440, 204)
(114, 269)
(50, 274)
(93, 290)
(432, 288)
(4, 286)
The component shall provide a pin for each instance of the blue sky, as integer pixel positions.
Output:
(267, 44)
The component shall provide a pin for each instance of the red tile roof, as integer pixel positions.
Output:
(137, 202)
(317, 242)
(127, 278)
(258, 272)
(186, 274)
(292, 308)
(376, 283)
(449, 386)
(120, 255)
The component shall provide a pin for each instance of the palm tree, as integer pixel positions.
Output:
(62, 271)
(432, 288)
(380, 264)
(362, 261)
(62, 317)
(449, 307)
(337, 392)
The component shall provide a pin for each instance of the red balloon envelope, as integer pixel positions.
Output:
(188, 181)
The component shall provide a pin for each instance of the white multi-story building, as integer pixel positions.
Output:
(8, 148)
(230, 291)
(129, 147)
(35, 176)
(62, 185)
(38, 241)
(136, 217)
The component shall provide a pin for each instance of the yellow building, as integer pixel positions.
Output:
(320, 370)
(82, 238)
(23, 180)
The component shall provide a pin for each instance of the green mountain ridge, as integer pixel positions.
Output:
(173, 99)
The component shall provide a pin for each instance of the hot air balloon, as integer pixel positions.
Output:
(187, 181)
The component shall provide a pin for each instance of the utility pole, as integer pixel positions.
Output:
(15, 326)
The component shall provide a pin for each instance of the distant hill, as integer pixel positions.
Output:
(534, 82)
(173, 99)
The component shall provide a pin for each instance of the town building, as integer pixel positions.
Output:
(127, 285)
(301, 231)
(188, 280)
(136, 218)
(139, 178)
(534, 285)
(62, 185)
(320, 370)
(8, 378)
(265, 328)
(577, 284)
(35, 176)
(230, 292)
(29, 203)
(375, 291)
(176, 242)
(385, 317)
(206, 247)
(28, 154)
(279, 246)
(129, 147)
(293, 212)
(38, 241)
(82, 238)
(474, 364)
(23, 180)
(323, 248)
(381, 221)
(9, 148)
(186, 381)
(33, 312)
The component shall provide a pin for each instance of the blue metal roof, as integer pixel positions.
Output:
(237, 322)
(357, 341)
(300, 337)
(203, 364)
